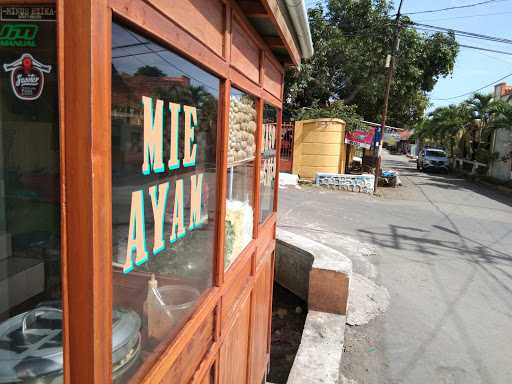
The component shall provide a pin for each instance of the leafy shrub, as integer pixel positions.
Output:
(485, 156)
(336, 110)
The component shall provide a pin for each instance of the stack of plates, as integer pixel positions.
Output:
(31, 345)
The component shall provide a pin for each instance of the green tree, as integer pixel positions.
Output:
(149, 70)
(478, 132)
(351, 40)
(468, 127)
(444, 127)
(501, 112)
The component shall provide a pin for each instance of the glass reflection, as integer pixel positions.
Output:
(163, 193)
(268, 161)
(30, 276)
(241, 154)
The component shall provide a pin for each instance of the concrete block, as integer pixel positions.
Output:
(324, 282)
(322, 275)
(328, 291)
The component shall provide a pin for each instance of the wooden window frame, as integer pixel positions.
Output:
(84, 57)
(279, 114)
(278, 157)
(249, 248)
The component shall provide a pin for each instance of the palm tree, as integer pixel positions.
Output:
(501, 112)
(454, 124)
(502, 119)
(471, 124)
(479, 106)
(444, 126)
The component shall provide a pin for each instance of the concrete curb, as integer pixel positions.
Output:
(483, 183)
(501, 188)
(319, 356)
(320, 275)
(313, 271)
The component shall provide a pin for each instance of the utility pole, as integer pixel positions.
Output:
(390, 65)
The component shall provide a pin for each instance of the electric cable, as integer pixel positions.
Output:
(455, 7)
(433, 28)
(465, 17)
(464, 33)
(496, 58)
(485, 49)
(472, 92)
(159, 54)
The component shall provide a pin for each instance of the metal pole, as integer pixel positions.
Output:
(390, 63)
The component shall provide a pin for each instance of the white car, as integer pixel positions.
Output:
(430, 158)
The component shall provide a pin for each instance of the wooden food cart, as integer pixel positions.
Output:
(138, 183)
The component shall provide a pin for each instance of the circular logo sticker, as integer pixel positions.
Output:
(27, 76)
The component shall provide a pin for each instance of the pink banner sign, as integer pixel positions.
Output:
(361, 139)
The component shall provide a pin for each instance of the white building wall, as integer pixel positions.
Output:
(502, 144)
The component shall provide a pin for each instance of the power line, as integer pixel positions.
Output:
(466, 17)
(431, 28)
(483, 37)
(472, 92)
(462, 36)
(485, 49)
(464, 33)
(501, 60)
(434, 28)
(456, 7)
(370, 31)
(158, 53)
(131, 45)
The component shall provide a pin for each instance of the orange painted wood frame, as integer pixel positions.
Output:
(84, 57)
(84, 36)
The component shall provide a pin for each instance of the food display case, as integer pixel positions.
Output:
(138, 144)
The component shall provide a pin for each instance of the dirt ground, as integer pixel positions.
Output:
(288, 318)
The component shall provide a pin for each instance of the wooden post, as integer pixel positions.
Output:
(85, 70)
(389, 81)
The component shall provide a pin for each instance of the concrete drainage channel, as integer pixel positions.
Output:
(319, 275)
(289, 314)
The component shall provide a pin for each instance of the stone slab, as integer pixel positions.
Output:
(319, 356)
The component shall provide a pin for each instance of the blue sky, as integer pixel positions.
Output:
(473, 69)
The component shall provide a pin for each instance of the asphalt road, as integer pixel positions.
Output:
(444, 253)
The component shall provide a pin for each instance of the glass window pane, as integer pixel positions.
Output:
(30, 278)
(268, 161)
(241, 151)
(164, 135)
